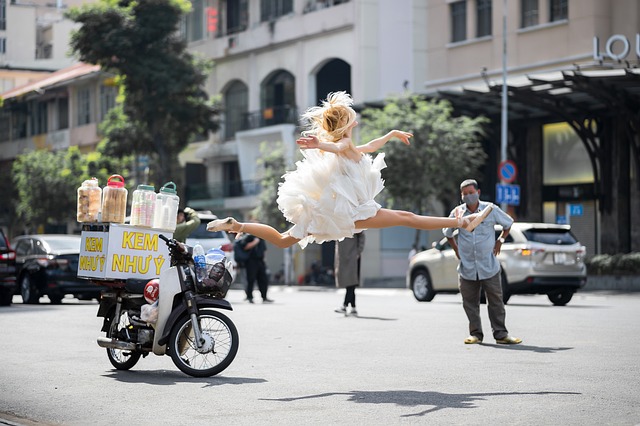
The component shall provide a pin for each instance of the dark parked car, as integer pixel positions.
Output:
(48, 265)
(7, 271)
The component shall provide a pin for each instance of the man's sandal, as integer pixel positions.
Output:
(509, 340)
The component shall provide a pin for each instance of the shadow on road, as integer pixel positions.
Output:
(171, 377)
(371, 318)
(530, 348)
(405, 398)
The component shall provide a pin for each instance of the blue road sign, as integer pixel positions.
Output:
(507, 171)
(576, 210)
(508, 194)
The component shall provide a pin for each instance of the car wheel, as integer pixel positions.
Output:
(28, 290)
(560, 297)
(5, 297)
(421, 286)
(506, 294)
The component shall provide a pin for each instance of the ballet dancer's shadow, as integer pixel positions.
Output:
(434, 400)
(529, 348)
(372, 318)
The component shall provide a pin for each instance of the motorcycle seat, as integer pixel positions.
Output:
(135, 285)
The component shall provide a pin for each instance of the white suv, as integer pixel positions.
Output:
(536, 258)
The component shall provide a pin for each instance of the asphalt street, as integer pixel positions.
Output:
(399, 362)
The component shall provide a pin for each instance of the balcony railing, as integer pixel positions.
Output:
(222, 190)
(284, 114)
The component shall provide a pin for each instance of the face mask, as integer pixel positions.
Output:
(470, 199)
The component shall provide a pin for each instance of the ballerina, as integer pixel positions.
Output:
(330, 195)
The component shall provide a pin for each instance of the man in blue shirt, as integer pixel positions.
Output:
(478, 268)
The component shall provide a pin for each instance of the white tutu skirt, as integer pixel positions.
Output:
(327, 193)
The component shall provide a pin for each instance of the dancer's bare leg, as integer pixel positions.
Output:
(386, 218)
(267, 233)
(260, 230)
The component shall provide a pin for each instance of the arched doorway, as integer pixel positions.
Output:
(236, 107)
(278, 98)
(333, 76)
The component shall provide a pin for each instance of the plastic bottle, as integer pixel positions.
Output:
(214, 257)
(114, 200)
(166, 211)
(200, 262)
(143, 205)
(89, 201)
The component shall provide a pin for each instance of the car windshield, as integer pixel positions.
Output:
(3, 242)
(202, 233)
(60, 244)
(550, 236)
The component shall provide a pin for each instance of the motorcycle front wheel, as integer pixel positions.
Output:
(121, 359)
(219, 348)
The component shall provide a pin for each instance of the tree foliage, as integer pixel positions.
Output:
(164, 106)
(47, 182)
(273, 164)
(444, 151)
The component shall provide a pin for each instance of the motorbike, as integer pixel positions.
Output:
(184, 321)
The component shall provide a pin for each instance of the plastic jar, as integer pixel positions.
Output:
(114, 200)
(167, 202)
(89, 201)
(143, 205)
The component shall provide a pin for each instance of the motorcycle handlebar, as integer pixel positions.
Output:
(174, 244)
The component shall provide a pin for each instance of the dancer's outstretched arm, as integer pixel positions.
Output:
(378, 143)
(312, 142)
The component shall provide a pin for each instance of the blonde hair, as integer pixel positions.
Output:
(331, 120)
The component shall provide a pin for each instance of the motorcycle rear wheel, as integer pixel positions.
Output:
(119, 358)
(221, 334)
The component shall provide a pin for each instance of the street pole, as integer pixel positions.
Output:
(504, 131)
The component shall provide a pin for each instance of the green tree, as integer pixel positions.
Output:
(164, 106)
(444, 151)
(273, 163)
(47, 182)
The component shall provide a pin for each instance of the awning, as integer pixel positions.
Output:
(65, 75)
(573, 92)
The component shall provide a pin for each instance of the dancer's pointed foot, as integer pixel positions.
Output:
(229, 224)
(472, 221)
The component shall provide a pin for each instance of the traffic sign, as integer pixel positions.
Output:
(508, 194)
(507, 171)
(576, 209)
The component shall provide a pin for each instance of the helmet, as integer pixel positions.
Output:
(152, 290)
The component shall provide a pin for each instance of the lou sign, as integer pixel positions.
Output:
(617, 53)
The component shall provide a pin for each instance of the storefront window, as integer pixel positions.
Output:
(566, 160)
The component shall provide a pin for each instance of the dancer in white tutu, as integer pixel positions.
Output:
(330, 195)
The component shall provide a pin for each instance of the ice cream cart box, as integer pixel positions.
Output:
(114, 251)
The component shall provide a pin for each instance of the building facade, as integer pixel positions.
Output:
(572, 101)
(573, 84)
(274, 59)
(34, 40)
